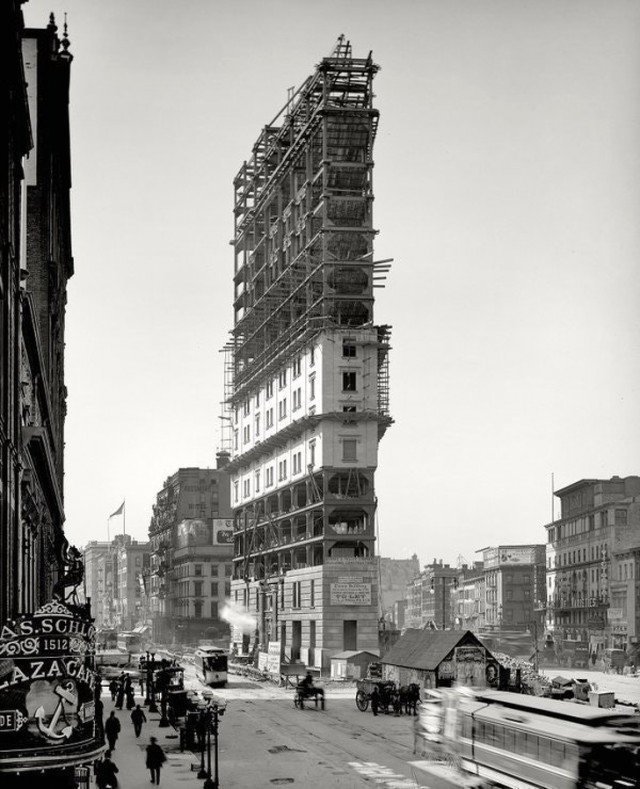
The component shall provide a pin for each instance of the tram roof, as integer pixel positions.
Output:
(566, 710)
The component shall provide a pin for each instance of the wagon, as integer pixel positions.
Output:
(365, 687)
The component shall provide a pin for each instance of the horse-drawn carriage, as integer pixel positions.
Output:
(384, 696)
(305, 692)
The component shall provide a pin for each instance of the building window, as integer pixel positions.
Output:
(269, 418)
(246, 488)
(245, 407)
(214, 589)
(282, 379)
(269, 476)
(349, 449)
(257, 398)
(312, 593)
(197, 609)
(235, 416)
(296, 367)
(269, 390)
(235, 492)
(297, 462)
(312, 387)
(257, 427)
(297, 399)
(349, 349)
(257, 481)
(312, 453)
(282, 470)
(235, 439)
(296, 595)
(282, 408)
(246, 434)
(197, 588)
(620, 517)
(312, 356)
(349, 409)
(348, 382)
(197, 569)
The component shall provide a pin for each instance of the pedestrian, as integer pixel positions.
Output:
(155, 759)
(141, 680)
(106, 773)
(375, 700)
(131, 702)
(112, 729)
(98, 718)
(138, 718)
(120, 696)
(113, 688)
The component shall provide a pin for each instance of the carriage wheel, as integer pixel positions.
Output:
(362, 702)
(297, 701)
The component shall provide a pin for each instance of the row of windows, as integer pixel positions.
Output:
(184, 570)
(587, 523)
(349, 455)
(296, 596)
(349, 381)
(535, 746)
(597, 553)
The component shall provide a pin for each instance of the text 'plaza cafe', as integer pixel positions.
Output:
(49, 732)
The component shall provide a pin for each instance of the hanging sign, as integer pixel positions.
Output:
(47, 689)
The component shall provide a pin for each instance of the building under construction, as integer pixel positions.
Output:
(307, 371)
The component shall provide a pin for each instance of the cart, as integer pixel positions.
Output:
(386, 689)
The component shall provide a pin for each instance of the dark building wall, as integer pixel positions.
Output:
(15, 142)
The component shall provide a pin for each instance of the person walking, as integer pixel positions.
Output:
(138, 718)
(155, 760)
(375, 700)
(131, 702)
(113, 688)
(106, 773)
(112, 729)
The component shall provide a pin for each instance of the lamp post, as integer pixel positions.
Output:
(153, 707)
(201, 730)
(147, 665)
(163, 683)
(212, 717)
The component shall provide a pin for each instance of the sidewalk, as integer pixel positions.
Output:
(129, 754)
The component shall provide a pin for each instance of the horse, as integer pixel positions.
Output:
(409, 697)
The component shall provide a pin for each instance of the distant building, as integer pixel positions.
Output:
(514, 581)
(593, 565)
(395, 574)
(468, 598)
(429, 597)
(399, 613)
(191, 534)
(96, 576)
(114, 582)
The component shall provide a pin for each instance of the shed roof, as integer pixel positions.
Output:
(426, 649)
(349, 653)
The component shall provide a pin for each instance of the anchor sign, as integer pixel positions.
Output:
(65, 692)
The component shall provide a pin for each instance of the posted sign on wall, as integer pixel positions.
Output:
(350, 591)
(47, 700)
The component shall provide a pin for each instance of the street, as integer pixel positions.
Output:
(264, 740)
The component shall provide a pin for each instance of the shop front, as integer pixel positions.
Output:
(50, 725)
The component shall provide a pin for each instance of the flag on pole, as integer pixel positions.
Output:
(119, 511)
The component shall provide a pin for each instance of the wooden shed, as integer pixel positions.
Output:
(440, 658)
(352, 664)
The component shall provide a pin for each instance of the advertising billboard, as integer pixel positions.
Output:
(199, 533)
(47, 690)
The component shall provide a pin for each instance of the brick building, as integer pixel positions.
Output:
(429, 597)
(395, 574)
(35, 245)
(191, 552)
(593, 554)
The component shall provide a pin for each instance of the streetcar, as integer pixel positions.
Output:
(532, 743)
(211, 665)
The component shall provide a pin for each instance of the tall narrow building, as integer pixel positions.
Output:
(308, 371)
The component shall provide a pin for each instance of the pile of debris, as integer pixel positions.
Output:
(532, 681)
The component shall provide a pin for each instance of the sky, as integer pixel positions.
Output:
(507, 189)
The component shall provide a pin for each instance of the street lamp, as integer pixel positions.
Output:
(212, 714)
(153, 707)
(147, 668)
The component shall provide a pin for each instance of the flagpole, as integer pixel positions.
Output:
(108, 537)
(124, 517)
